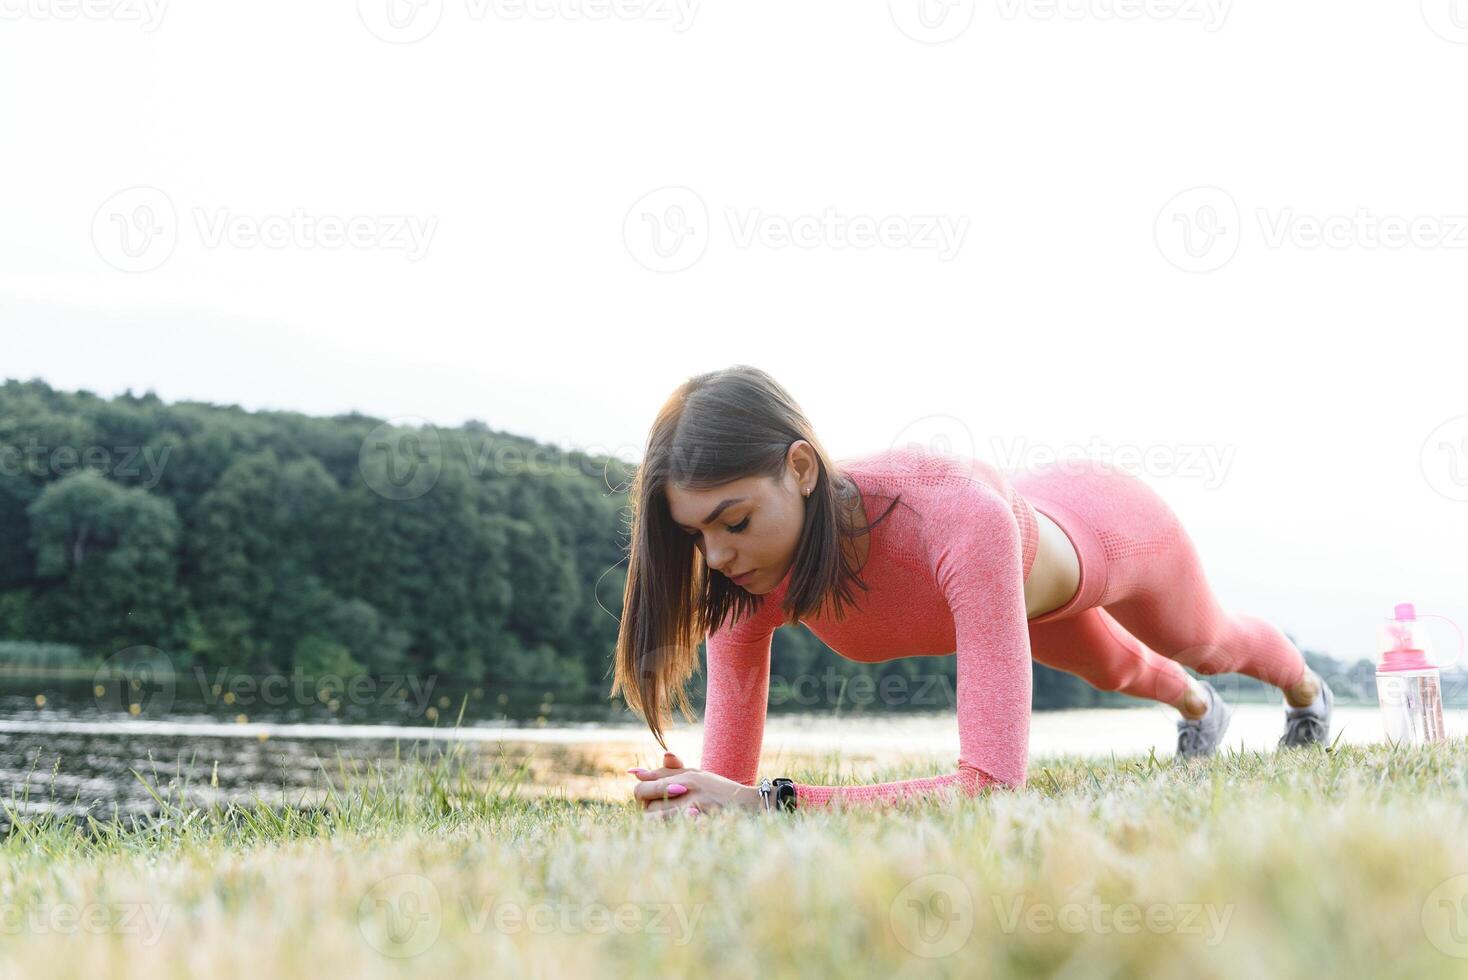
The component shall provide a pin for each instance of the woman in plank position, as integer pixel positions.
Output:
(742, 523)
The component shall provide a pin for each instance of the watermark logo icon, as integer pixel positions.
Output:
(942, 435)
(1199, 229)
(137, 681)
(1445, 458)
(933, 916)
(136, 229)
(1448, 19)
(667, 230)
(401, 916)
(932, 21)
(402, 458)
(1445, 916)
(400, 21)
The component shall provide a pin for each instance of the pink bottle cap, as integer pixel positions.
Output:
(1403, 655)
(1405, 660)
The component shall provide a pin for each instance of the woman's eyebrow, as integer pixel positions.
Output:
(714, 514)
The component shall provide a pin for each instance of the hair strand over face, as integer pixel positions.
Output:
(715, 428)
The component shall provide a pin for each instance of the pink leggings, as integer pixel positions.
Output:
(1144, 605)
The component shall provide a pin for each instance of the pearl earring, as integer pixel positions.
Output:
(806, 491)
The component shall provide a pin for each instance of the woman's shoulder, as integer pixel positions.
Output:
(926, 474)
(947, 494)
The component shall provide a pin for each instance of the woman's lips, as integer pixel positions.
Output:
(745, 577)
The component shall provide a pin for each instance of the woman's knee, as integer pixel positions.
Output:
(1205, 658)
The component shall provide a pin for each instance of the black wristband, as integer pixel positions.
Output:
(784, 793)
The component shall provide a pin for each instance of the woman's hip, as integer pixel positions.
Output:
(1113, 518)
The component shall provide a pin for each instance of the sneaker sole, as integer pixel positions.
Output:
(1228, 716)
(1329, 707)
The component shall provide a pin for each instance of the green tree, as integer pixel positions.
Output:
(105, 563)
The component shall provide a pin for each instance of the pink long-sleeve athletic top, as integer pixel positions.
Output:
(946, 570)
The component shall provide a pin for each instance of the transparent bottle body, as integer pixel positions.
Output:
(1411, 705)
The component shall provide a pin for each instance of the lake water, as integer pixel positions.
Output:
(75, 757)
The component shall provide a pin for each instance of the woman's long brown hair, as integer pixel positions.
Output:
(717, 427)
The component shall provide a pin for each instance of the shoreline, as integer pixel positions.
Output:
(1076, 731)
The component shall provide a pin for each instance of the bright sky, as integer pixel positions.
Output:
(1231, 236)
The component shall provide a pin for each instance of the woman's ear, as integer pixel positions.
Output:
(803, 464)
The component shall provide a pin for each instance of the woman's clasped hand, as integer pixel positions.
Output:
(678, 791)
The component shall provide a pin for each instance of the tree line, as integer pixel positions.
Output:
(269, 542)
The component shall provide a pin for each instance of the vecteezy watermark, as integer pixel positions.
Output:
(1454, 684)
(673, 919)
(400, 21)
(832, 229)
(126, 463)
(1448, 19)
(936, 21)
(504, 458)
(1211, 14)
(932, 21)
(950, 436)
(1362, 229)
(402, 916)
(1201, 461)
(1206, 919)
(933, 691)
(144, 920)
(136, 680)
(144, 680)
(1445, 916)
(1444, 458)
(668, 230)
(147, 14)
(138, 228)
(408, 233)
(932, 916)
(409, 21)
(677, 14)
(1200, 229)
(309, 690)
(942, 435)
(401, 459)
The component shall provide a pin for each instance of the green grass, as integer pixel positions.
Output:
(1340, 862)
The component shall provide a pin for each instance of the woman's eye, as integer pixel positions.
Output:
(733, 528)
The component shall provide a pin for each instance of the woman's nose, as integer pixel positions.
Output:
(719, 559)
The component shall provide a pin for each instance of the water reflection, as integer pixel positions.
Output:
(154, 691)
(62, 748)
(99, 770)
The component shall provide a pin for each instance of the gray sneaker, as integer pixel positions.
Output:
(1309, 725)
(1203, 735)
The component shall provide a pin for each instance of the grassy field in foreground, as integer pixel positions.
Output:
(1344, 862)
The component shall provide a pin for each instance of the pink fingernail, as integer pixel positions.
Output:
(692, 809)
(675, 788)
(638, 769)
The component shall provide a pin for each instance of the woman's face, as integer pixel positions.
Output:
(751, 524)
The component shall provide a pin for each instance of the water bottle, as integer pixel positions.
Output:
(1408, 679)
